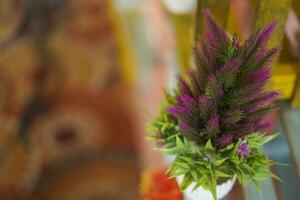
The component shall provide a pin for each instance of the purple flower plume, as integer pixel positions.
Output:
(224, 140)
(260, 75)
(213, 123)
(263, 38)
(178, 110)
(214, 33)
(223, 98)
(183, 86)
(243, 149)
(183, 126)
(186, 100)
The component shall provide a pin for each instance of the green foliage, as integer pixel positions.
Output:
(208, 166)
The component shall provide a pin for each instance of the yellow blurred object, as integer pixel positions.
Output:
(295, 103)
(273, 10)
(184, 38)
(284, 78)
(284, 73)
(127, 58)
(296, 99)
(233, 26)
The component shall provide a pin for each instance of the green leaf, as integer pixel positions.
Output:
(248, 169)
(187, 180)
(169, 97)
(208, 145)
(179, 143)
(187, 159)
(194, 175)
(257, 140)
(170, 169)
(268, 138)
(235, 149)
(213, 186)
(183, 165)
(228, 147)
(208, 91)
(221, 174)
(220, 161)
(173, 136)
(171, 151)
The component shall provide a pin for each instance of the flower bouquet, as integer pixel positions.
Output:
(213, 122)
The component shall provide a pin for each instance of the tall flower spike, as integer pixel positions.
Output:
(214, 33)
(223, 97)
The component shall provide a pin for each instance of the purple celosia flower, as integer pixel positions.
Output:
(212, 126)
(261, 75)
(215, 34)
(178, 110)
(174, 110)
(213, 123)
(246, 128)
(203, 100)
(183, 86)
(212, 79)
(183, 126)
(225, 93)
(243, 149)
(224, 140)
(187, 129)
(266, 124)
(187, 100)
(262, 39)
(268, 97)
(221, 94)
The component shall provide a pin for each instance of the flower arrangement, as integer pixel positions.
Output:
(214, 120)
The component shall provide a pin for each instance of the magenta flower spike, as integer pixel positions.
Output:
(225, 92)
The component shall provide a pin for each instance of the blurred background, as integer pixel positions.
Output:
(79, 79)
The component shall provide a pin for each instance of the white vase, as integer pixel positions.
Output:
(202, 194)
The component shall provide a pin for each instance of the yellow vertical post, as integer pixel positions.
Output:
(127, 56)
(183, 24)
(296, 96)
(269, 10)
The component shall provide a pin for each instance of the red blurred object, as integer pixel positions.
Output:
(156, 185)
